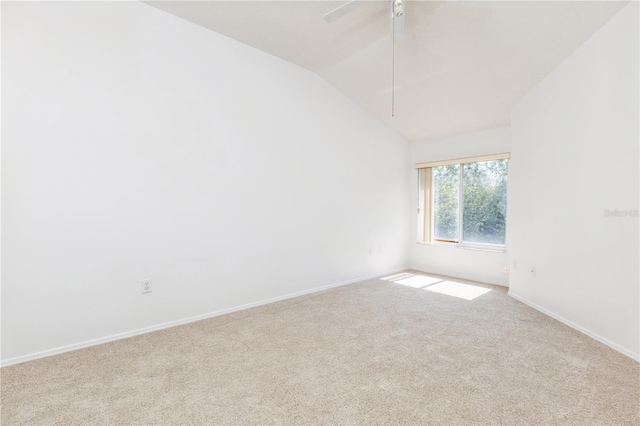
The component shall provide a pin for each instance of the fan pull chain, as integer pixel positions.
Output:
(393, 62)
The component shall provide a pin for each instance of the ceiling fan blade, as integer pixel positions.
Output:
(342, 10)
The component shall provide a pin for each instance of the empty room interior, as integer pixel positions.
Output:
(320, 212)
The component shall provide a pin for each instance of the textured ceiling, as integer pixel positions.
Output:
(460, 67)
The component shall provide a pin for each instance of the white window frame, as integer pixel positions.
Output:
(425, 209)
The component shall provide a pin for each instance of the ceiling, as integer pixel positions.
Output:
(461, 66)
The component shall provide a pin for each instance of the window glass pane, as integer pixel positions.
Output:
(446, 186)
(484, 202)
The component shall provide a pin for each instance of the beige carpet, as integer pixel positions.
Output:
(375, 352)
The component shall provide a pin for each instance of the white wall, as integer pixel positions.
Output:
(574, 154)
(138, 145)
(485, 266)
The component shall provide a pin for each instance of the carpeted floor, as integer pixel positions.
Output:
(374, 352)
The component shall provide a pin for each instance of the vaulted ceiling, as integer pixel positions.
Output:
(460, 67)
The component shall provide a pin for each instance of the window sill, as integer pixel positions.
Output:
(463, 247)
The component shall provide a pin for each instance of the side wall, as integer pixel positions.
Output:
(485, 266)
(137, 145)
(574, 155)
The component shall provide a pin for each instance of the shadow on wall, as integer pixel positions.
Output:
(438, 285)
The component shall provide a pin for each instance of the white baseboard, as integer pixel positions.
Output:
(464, 277)
(575, 326)
(119, 336)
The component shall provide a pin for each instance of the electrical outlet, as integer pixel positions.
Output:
(146, 286)
(506, 270)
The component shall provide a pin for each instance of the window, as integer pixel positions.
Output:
(464, 201)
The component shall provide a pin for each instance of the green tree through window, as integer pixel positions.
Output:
(446, 186)
(483, 200)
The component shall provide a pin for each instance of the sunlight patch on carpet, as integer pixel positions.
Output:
(462, 291)
(399, 276)
(412, 280)
(438, 285)
(418, 281)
